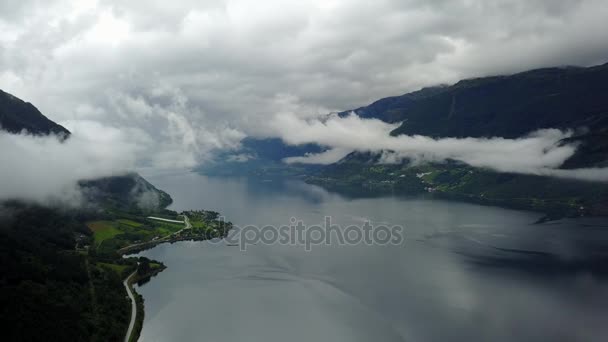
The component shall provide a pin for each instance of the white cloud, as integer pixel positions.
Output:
(186, 78)
(46, 170)
(540, 152)
(588, 174)
(327, 157)
(239, 62)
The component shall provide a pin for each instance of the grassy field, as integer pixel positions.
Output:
(165, 228)
(124, 229)
(119, 230)
(129, 223)
(103, 230)
(198, 224)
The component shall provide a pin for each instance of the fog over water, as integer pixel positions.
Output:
(464, 272)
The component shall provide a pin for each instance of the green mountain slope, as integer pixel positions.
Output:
(48, 290)
(506, 106)
(122, 192)
(509, 106)
(358, 174)
(54, 285)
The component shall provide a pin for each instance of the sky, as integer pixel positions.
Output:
(182, 79)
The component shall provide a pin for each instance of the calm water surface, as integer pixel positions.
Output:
(464, 273)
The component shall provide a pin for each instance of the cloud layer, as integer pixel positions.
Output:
(539, 153)
(45, 170)
(196, 76)
(164, 84)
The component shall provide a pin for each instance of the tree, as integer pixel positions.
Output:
(144, 266)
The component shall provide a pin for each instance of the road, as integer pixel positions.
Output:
(133, 306)
(164, 219)
(187, 225)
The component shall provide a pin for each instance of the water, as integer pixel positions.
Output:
(464, 273)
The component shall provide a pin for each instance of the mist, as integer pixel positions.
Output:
(46, 170)
(228, 67)
(540, 153)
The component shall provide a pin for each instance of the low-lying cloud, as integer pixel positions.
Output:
(541, 152)
(46, 170)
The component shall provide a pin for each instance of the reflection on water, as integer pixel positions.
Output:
(464, 272)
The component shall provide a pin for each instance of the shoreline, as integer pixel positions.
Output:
(137, 305)
(134, 249)
(137, 316)
(127, 284)
(547, 212)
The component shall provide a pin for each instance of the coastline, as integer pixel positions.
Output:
(127, 284)
(137, 301)
(547, 210)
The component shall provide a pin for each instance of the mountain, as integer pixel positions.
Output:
(261, 157)
(359, 174)
(122, 192)
(568, 98)
(275, 149)
(17, 116)
(55, 281)
(127, 192)
(510, 107)
(506, 106)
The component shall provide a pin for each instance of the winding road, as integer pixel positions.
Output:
(133, 306)
(187, 225)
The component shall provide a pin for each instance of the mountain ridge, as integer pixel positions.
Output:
(17, 116)
(55, 279)
(509, 106)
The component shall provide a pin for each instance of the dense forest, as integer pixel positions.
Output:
(49, 287)
(54, 283)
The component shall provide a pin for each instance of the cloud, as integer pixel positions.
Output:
(587, 174)
(183, 79)
(327, 157)
(46, 170)
(540, 152)
(226, 67)
(169, 130)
